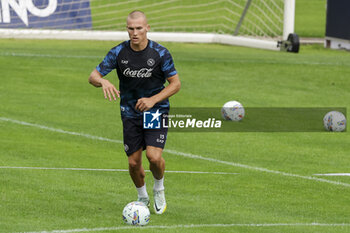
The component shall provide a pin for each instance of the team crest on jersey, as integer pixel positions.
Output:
(151, 62)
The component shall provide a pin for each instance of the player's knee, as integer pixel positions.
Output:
(155, 159)
(134, 164)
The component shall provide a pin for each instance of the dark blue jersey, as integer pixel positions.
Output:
(141, 74)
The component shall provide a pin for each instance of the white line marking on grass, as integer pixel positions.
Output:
(333, 174)
(236, 61)
(60, 130)
(199, 226)
(256, 168)
(13, 54)
(188, 155)
(112, 170)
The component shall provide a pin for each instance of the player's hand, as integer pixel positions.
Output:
(144, 104)
(109, 90)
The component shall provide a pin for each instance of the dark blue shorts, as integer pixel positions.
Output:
(136, 137)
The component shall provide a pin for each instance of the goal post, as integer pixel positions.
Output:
(288, 18)
(266, 24)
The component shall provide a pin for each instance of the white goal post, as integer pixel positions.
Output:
(265, 24)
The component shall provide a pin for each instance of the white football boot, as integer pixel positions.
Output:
(159, 201)
(144, 200)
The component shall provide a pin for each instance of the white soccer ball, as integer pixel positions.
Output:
(232, 111)
(334, 121)
(136, 213)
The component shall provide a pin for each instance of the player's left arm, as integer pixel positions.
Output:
(144, 104)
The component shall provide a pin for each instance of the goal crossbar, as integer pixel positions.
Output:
(251, 23)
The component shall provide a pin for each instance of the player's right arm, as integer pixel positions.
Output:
(108, 64)
(96, 79)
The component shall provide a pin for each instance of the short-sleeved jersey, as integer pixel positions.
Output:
(141, 74)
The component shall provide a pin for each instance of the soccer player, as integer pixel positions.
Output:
(143, 66)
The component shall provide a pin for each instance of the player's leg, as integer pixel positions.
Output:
(156, 161)
(137, 174)
(157, 167)
(155, 141)
(133, 145)
(136, 170)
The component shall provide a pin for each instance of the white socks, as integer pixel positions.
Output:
(158, 184)
(142, 192)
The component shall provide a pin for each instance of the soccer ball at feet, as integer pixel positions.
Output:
(334, 121)
(232, 111)
(136, 213)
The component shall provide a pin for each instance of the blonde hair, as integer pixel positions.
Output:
(137, 14)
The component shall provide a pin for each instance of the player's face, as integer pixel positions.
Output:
(137, 29)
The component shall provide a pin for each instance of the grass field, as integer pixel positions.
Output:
(310, 18)
(50, 117)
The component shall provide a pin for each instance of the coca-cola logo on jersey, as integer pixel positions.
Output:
(142, 73)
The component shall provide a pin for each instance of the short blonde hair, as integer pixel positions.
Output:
(136, 14)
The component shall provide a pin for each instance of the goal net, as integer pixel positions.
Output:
(259, 22)
(263, 18)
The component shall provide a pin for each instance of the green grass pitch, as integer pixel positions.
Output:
(44, 83)
(49, 112)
